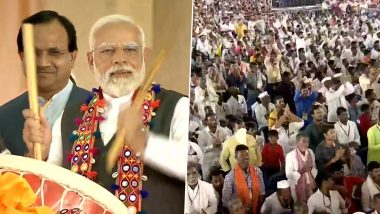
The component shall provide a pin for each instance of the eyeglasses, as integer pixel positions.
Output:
(108, 51)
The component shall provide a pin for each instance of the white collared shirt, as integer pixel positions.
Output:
(318, 202)
(160, 149)
(347, 133)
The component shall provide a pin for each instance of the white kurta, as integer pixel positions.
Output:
(236, 107)
(291, 169)
(347, 133)
(369, 189)
(321, 203)
(273, 205)
(261, 112)
(287, 138)
(335, 99)
(201, 198)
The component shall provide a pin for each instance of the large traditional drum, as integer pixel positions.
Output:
(61, 189)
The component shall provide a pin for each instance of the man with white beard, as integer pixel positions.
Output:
(117, 58)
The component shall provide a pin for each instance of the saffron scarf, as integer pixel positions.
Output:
(242, 189)
(304, 188)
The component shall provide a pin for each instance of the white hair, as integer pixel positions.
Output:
(112, 19)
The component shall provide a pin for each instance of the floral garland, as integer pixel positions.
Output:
(129, 176)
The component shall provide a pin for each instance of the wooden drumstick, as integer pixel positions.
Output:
(116, 148)
(31, 74)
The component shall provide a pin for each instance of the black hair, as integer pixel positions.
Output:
(197, 166)
(216, 172)
(240, 147)
(350, 97)
(340, 110)
(368, 93)
(314, 108)
(47, 16)
(364, 107)
(210, 114)
(335, 167)
(321, 176)
(373, 165)
(232, 121)
(301, 135)
(327, 128)
(277, 98)
(376, 196)
(272, 133)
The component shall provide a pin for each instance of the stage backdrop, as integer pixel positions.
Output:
(166, 25)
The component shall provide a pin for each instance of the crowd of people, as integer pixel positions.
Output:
(284, 109)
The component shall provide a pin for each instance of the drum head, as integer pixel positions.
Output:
(61, 189)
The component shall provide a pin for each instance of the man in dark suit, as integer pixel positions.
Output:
(117, 57)
(56, 50)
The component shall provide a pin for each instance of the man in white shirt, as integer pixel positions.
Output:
(288, 126)
(210, 140)
(279, 202)
(236, 104)
(346, 130)
(200, 195)
(374, 105)
(117, 58)
(301, 170)
(326, 200)
(371, 186)
(263, 109)
(335, 97)
(376, 199)
(54, 43)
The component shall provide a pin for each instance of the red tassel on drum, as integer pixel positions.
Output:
(78, 121)
(94, 151)
(155, 104)
(69, 157)
(92, 175)
(101, 103)
(83, 108)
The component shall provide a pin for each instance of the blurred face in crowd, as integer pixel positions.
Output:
(217, 182)
(285, 196)
(375, 175)
(242, 158)
(273, 139)
(265, 100)
(338, 177)
(195, 79)
(343, 117)
(273, 56)
(372, 97)
(303, 144)
(280, 103)
(192, 176)
(211, 122)
(330, 183)
(253, 68)
(377, 204)
(330, 135)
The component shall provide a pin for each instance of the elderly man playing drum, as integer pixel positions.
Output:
(117, 57)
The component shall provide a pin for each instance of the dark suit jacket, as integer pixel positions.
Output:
(12, 120)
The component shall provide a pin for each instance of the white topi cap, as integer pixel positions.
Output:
(264, 94)
(326, 79)
(284, 184)
(337, 75)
